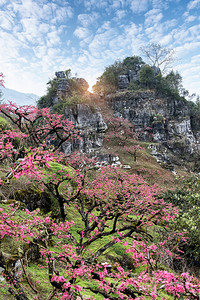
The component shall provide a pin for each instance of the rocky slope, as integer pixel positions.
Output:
(173, 134)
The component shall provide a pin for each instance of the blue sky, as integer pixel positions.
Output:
(39, 37)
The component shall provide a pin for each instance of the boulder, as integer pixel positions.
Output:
(60, 74)
(133, 75)
(123, 82)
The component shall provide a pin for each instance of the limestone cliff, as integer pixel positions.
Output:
(175, 134)
(91, 126)
(170, 120)
(86, 116)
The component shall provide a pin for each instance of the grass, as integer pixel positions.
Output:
(145, 164)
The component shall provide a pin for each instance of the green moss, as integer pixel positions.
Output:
(4, 124)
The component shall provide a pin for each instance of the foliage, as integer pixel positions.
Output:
(35, 126)
(187, 199)
(4, 124)
(135, 86)
(174, 80)
(71, 102)
(108, 81)
(46, 101)
(77, 86)
(171, 85)
(125, 134)
(121, 129)
(146, 76)
(70, 270)
(132, 63)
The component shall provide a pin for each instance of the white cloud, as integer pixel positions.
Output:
(30, 29)
(139, 6)
(53, 39)
(169, 24)
(44, 40)
(153, 16)
(116, 4)
(101, 40)
(89, 4)
(186, 35)
(2, 2)
(191, 18)
(120, 14)
(186, 48)
(104, 27)
(6, 20)
(166, 40)
(193, 4)
(159, 4)
(81, 32)
(131, 30)
(189, 72)
(87, 19)
(40, 51)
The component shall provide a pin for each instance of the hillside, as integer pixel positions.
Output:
(99, 203)
(18, 97)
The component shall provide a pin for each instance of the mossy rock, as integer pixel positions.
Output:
(34, 198)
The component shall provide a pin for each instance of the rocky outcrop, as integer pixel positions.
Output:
(123, 82)
(169, 122)
(87, 118)
(90, 124)
(65, 86)
(133, 76)
(169, 119)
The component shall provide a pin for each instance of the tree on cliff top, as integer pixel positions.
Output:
(146, 76)
(158, 56)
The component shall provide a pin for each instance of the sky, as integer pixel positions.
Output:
(39, 37)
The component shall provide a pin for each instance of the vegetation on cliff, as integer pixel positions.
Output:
(147, 76)
(73, 90)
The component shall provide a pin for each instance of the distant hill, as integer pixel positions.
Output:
(18, 97)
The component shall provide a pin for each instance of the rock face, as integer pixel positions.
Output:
(133, 75)
(87, 119)
(123, 82)
(64, 88)
(169, 119)
(91, 126)
(169, 126)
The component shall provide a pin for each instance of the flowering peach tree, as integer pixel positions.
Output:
(100, 211)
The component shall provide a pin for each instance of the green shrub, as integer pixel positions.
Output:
(187, 199)
(4, 124)
(46, 101)
(146, 76)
